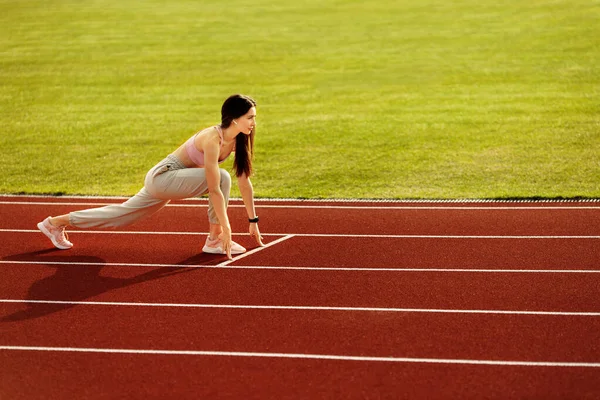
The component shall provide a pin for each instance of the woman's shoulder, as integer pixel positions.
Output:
(207, 134)
(210, 132)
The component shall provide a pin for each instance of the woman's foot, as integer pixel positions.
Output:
(56, 234)
(215, 246)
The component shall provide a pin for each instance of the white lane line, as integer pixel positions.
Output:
(254, 251)
(275, 267)
(304, 308)
(323, 207)
(307, 356)
(345, 235)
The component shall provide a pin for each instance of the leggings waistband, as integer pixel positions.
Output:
(178, 164)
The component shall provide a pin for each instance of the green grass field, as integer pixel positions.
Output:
(357, 99)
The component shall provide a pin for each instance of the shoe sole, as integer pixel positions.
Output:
(218, 250)
(46, 232)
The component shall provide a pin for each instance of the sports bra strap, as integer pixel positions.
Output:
(220, 134)
(197, 156)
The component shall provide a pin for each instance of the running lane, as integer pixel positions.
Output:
(574, 292)
(125, 376)
(437, 282)
(342, 218)
(343, 332)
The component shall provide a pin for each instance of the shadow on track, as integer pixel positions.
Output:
(81, 279)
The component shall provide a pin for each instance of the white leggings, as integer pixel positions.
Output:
(167, 180)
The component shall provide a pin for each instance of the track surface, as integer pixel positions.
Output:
(347, 300)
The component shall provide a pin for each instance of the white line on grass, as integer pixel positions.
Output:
(344, 235)
(275, 267)
(307, 356)
(304, 308)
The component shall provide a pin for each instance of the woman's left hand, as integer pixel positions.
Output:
(255, 234)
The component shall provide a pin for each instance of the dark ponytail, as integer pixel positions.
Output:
(244, 153)
(234, 107)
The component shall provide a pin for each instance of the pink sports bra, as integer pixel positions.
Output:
(196, 155)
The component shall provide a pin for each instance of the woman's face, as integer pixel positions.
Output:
(247, 122)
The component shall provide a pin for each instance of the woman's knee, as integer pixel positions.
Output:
(225, 180)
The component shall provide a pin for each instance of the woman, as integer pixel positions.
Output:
(191, 170)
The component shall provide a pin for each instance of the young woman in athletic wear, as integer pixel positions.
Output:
(191, 170)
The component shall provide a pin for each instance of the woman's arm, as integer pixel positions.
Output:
(247, 192)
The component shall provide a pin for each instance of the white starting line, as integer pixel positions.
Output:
(256, 250)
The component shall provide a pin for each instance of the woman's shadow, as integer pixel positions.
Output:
(77, 279)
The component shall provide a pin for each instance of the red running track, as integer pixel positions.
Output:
(348, 300)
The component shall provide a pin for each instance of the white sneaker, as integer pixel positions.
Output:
(56, 234)
(216, 247)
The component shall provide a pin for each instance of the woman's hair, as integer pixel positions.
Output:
(234, 107)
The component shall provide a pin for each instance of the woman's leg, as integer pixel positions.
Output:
(142, 205)
(115, 215)
(191, 183)
(111, 216)
(215, 228)
(171, 185)
(168, 180)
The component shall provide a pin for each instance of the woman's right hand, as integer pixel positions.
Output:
(255, 233)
